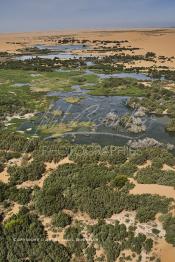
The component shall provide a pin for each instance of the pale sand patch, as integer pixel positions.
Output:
(13, 211)
(81, 217)
(17, 116)
(144, 165)
(147, 84)
(23, 160)
(165, 112)
(127, 253)
(15, 161)
(129, 219)
(51, 235)
(50, 166)
(4, 176)
(168, 168)
(148, 64)
(100, 252)
(122, 218)
(170, 86)
(153, 189)
(165, 251)
(28, 184)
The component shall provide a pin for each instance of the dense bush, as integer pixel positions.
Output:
(32, 171)
(24, 237)
(22, 196)
(96, 184)
(96, 153)
(61, 219)
(152, 175)
(1, 167)
(3, 189)
(115, 238)
(50, 201)
(119, 181)
(76, 242)
(16, 142)
(169, 226)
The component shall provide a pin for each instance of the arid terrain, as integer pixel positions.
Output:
(160, 41)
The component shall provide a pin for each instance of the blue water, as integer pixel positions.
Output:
(62, 47)
(64, 52)
(61, 56)
(94, 109)
(138, 76)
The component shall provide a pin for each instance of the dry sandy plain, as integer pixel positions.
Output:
(160, 41)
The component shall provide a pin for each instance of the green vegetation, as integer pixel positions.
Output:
(21, 196)
(72, 100)
(152, 175)
(59, 129)
(169, 226)
(76, 241)
(150, 55)
(96, 184)
(158, 155)
(31, 171)
(86, 187)
(16, 100)
(157, 100)
(119, 181)
(24, 237)
(118, 87)
(115, 238)
(34, 50)
(24, 92)
(61, 220)
(171, 126)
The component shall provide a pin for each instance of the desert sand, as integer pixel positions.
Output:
(4, 176)
(160, 190)
(160, 41)
(165, 251)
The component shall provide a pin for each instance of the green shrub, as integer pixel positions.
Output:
(61, 219)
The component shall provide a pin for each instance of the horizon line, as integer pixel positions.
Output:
(90, 29)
